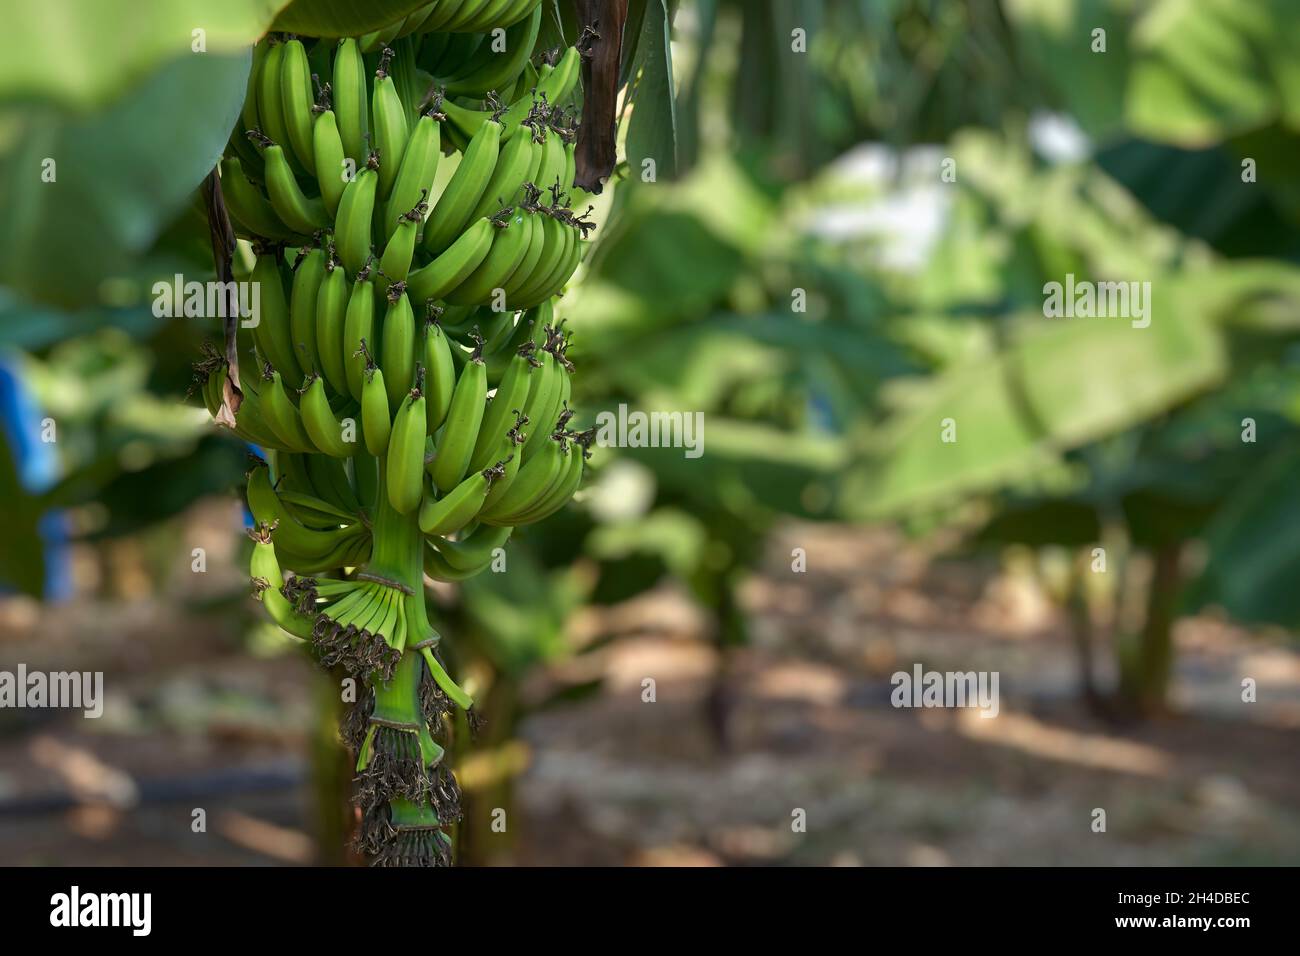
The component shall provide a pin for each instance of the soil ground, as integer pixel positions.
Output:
(817, 768)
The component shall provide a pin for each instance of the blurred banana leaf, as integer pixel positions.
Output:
(1064, 382)
(1254, 546)
(85, 54)
(341, 18)
(120, 177)
(652, 130)
(1184, 73)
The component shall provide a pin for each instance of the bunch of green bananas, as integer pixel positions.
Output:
(406, 378)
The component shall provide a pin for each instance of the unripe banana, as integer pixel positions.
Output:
(440, 381)
(534, 481)
(291, 535)
(325, 431)
(464, 189)
(513, 165)
(509, 245)
(554, 89)
(249, 208)
(390, 125)
(268, 579)
(291, 204)
(358, 328)
(419, 167)
(493, 72)
(272, 332)
(248, 116)
(565, 485)
(327, 149)
(356, 207)
(454, 265)
(436, 567)
(474, 550)
(396, 262)
(405, 461)
(460, 431)
(504, 407)
(270, 102)
(329, 478)
(282, 415)
(331, 313)
(297, 101)
(534, 247)
(450, 513)
(351, 103)
(308, 274)
(543, 402)
(526, 291)
(376, 423)
(397, 346)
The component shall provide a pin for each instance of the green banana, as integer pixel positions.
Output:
(270, 103)
(552, 252)
(454, 265)
(535, 479)
(441, 376)
(534, 247)
(460, 431)
(494, 70)
(397, 346)
(451, 212)
(269, 581)
(329, 479)
(331, 313)
(508, 176)
(356, 207)
(308, 274)
(248, 207)
(553, 90)
(390, 126)
(358, 328)
(509, 245)
(376, 423)
(296, 101)
(474, 550)
(436, 567)
(300, 212)
(273, 330)
(282, 415)
(504, 407)
(325, 431)
(565, 485)
(543, 402)
(405, 460)
(396, 262)
(419, 167)
(291, 535)
(327, 149)
(248, 116)
(350, 99)
(458, 507)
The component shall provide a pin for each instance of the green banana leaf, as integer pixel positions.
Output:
(1061, 384)
(85, 54)
(1173, 71)
(342, 18)
(1253, 545)
(652, 130)
(122, 175)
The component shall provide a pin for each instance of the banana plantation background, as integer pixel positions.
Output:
(830, 232)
